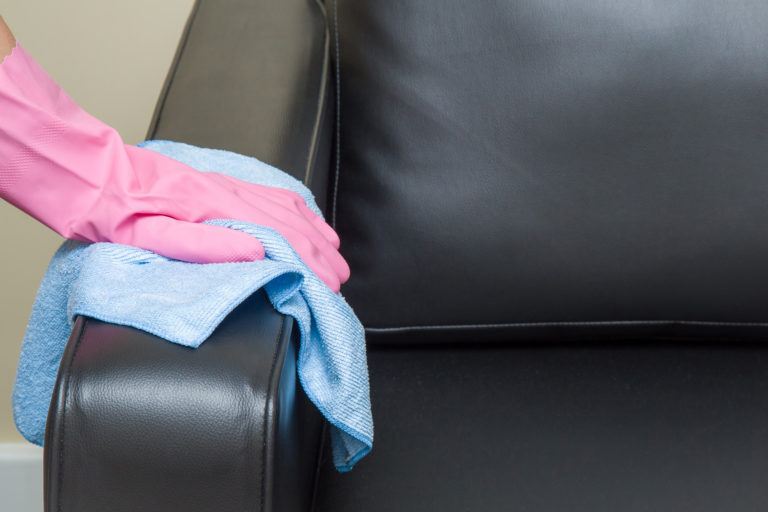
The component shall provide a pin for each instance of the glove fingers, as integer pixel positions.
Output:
(339, 264)
(287, 198)
(313, 257)
(286, 212)
(300, 231)
(310, 244)
(326, 261)
(325, 272)
(194, 242)
(327, 231)
(203, 243)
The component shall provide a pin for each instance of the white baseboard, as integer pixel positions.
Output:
(21, 477)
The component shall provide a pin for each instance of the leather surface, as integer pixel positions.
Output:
(253, 77)
(556, 138)
(543, 427)
(138, 423)
(540, 165)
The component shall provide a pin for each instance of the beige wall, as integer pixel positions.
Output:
(110, 56)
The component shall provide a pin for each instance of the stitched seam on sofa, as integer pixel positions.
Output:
(320, 110)
(338, 111)
(595, 323)
(268, 432)
(62, 435)
(160, 106)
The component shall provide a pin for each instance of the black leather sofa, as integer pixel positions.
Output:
(555, 215)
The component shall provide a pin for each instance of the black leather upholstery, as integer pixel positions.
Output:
(254, 77)
(554, 163)
(138, 423)
(542, 427)
(519, 169)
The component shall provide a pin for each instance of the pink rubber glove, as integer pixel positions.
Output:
(73, 173)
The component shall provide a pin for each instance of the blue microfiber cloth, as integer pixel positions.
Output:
(184, 302)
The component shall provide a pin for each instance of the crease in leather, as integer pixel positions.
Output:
(319, 466)
(270, 413)
(63, 420)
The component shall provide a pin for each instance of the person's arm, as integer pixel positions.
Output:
(7, 41)
(73, 173)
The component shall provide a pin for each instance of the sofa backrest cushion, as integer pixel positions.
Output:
(545, 167)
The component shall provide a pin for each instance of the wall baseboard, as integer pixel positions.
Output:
(21, 477)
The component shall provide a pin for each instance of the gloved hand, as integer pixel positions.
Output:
(73, 173)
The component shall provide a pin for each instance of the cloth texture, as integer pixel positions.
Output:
(184, 303)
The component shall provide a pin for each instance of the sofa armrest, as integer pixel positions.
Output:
(255, 77)
(138, 423)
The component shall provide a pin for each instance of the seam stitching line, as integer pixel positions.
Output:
(338, 111)
(595, 323)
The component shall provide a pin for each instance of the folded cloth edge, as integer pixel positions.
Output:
(355, 434)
